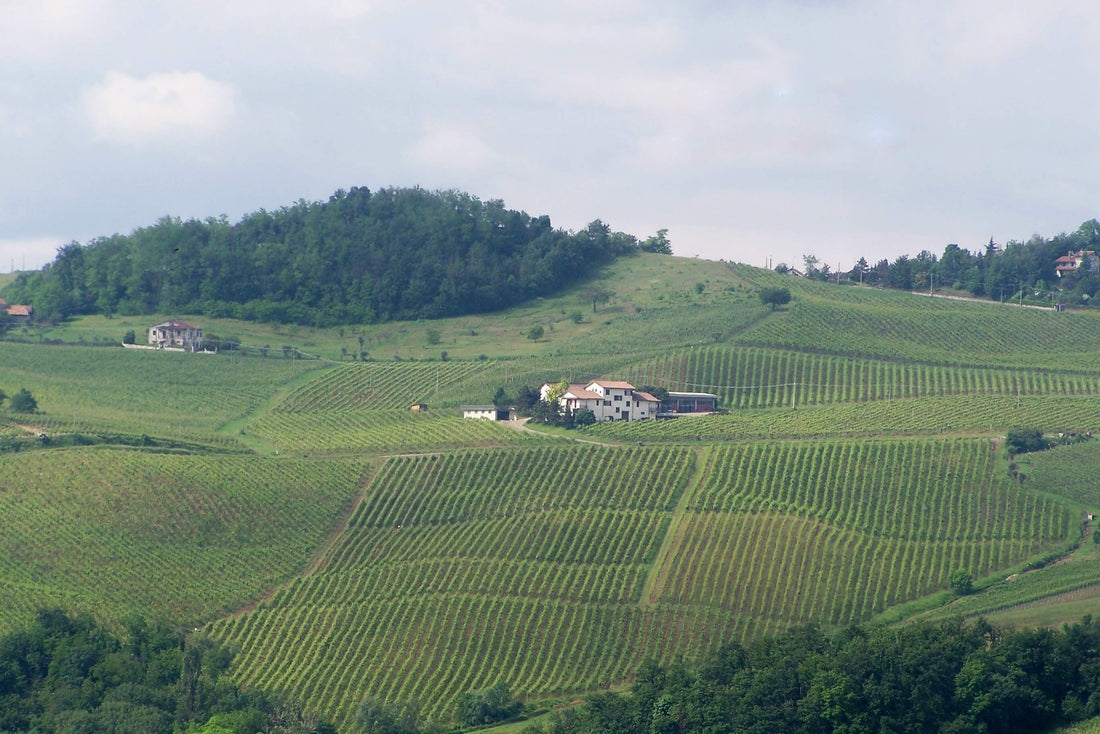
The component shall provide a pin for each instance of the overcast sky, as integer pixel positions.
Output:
(751, 130)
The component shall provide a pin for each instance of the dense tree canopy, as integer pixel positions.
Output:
(950, 677)
(1019, 270)
(360, 257)
(66, 674)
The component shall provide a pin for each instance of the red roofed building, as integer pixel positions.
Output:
(609, 400)
(1074, 261)
(175, 333)
(20, 311)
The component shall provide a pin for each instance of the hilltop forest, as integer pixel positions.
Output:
(360, 257)
(1022, 270)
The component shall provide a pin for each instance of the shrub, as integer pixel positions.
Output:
(1022, 440)
(23, 402)
(961, 582)
(488, 706)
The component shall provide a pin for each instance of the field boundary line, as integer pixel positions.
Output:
(313, 565)
(672, 530)
(235, 428)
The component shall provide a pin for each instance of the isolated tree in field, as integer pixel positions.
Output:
(961, 582)
(773, 296)
(1023, 440)
(129, 337)
(535, 333)
(657, 243)
(485, 707)
(596, 295)
(23, 402)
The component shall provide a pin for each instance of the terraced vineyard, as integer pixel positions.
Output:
(377, 431)
(179, 538)
(753, 377)
(463, 569)
(857, 468)
(838, 531)
(459, 570)
(961, 414)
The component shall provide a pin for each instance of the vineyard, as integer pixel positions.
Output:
(1067, 471)
(377, 431)
(908, 326)
(961, 414)
(371, 550)
(186, 396)
(178, 538)
(383, 385)
(850, 528)
(753, 377)
(462, 569)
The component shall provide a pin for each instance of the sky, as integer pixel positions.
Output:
(757, 131)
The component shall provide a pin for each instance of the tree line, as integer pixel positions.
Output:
(1018, 270)
(952, 677)
(66, 674)
(360, 257)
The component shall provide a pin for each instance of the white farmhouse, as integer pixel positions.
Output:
(609, 400)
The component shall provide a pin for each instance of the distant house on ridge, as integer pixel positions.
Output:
(175, 333)
(1074, 261)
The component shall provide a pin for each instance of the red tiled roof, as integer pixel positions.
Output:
(579, 392)
(20, 310)
(645, 396)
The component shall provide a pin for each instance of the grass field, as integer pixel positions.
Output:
(858, 466)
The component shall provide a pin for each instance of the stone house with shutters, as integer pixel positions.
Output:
(176, 333)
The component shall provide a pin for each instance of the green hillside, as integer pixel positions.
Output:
(857, 466)
(180, 539)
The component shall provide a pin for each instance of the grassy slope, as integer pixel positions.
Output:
(655, 326)
(653, 285)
